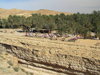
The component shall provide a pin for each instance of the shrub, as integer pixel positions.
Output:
(9, 67)
(0, 52)
(65, 56)
(10, 63)
(2, 57)
(6, 53)
(16, 69)
(31, 74)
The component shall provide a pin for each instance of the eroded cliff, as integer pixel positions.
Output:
(54, 55)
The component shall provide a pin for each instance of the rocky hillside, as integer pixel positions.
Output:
(54, 57)
(9, 64)
(4, 13)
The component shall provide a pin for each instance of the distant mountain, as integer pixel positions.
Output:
(4, 13)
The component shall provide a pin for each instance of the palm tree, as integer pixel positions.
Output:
(4, 23)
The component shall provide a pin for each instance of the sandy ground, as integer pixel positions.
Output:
(82, 47)
(19, 32)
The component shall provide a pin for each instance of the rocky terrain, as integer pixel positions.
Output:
(53, 57)
(4, 13)
(9, 64)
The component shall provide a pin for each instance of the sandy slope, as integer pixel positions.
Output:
(4, 13)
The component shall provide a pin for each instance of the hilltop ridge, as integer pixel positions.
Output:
(4, 13)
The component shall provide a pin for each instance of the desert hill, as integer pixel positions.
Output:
(4, 13)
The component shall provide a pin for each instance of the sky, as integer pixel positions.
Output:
(72, 6)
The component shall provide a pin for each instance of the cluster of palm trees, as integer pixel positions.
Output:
(77, 23)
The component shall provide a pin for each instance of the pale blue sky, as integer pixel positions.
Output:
(72, 6)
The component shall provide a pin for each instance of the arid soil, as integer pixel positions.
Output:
(56, 57)
(8, 63)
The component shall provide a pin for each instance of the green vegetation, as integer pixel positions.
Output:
(9, 67)
(4, 69)
(65, 56)
(0, 52)
(2, 57)
(10, 63)
(16, 69)
(1, 68)
(77, 23)
(6, 53)
(27, 73)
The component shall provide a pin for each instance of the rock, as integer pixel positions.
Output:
(61, 57)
